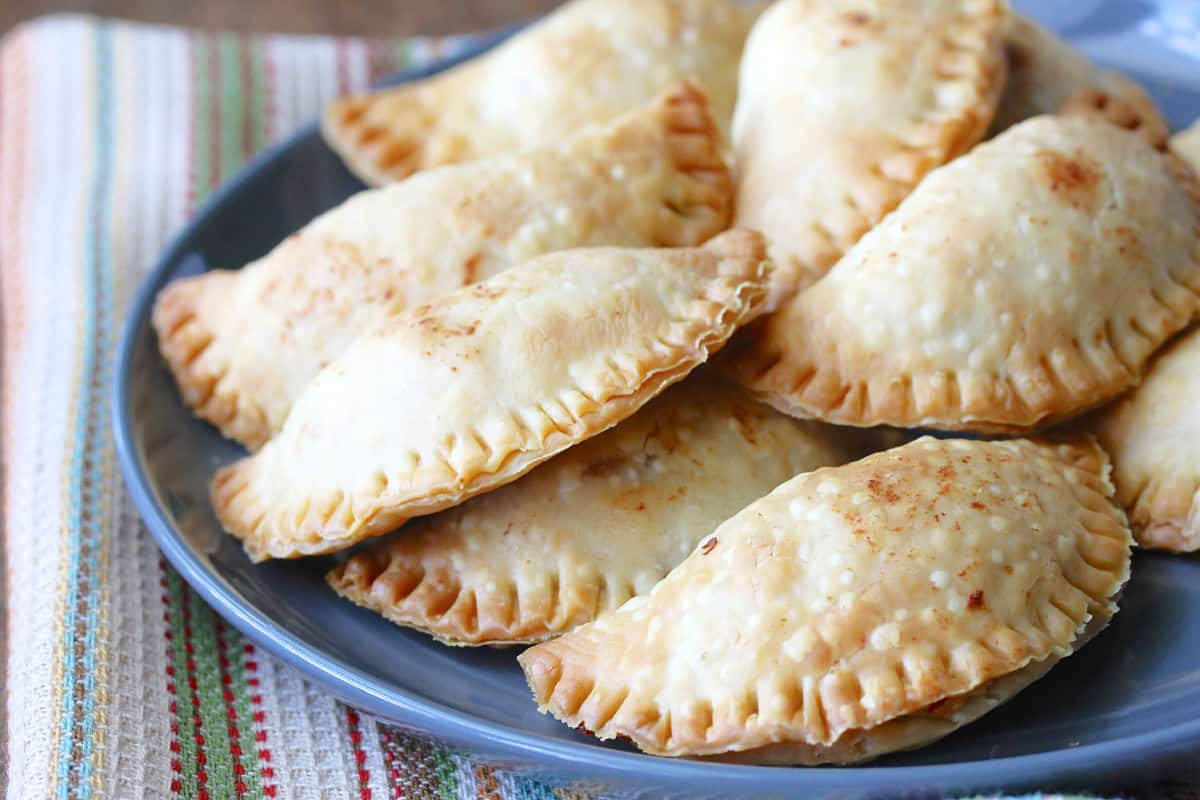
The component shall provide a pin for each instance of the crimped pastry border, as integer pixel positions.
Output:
(830, 706)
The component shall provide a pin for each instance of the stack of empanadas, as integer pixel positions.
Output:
(882, 216)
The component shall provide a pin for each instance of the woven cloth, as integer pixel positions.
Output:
(121, 682)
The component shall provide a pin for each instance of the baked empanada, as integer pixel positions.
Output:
(856, 609)
(1023, 283)
(1153, 435)
(242, 345)
(592, 527)
(844, 106)
(586, 63)
(1047, 75)
(468, 393)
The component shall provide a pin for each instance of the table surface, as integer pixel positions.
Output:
(345, 17)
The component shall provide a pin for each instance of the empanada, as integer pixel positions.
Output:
(1047, 75)
(468, 393)
(1023, 283)
(1153, 435)
(592, 527)
(586, 63)
(856, 609)
(844, 106)
(242, 345)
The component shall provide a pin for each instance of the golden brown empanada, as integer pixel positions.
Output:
(1153, 435)
(1187, 144)
(242, 345)
(856, 609)
(1047, 75)
(844, 106)
(470, 392)
(1152, 432)
(592, 527)
(1023, 283)
(586, 63)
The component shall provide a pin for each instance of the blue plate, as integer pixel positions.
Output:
(1119, 713)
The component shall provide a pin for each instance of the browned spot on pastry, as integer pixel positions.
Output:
(856, 18)
(978, 506)
(470, 268)
(437, 326)
(975, 600)
(1075, 178)
(946, 476)
(1129, 243)
(882, 490)
(1120, 112)
(708, 546)
(370, 134)
(351, 111)
(604, 466)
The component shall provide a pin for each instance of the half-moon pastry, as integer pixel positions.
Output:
(1024, 283)
(855, 610)
(1153, 436)
(843, 107)
(468, 393)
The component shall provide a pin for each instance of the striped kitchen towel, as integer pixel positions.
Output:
(120, 682)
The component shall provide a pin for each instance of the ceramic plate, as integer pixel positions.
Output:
(1119, 712)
